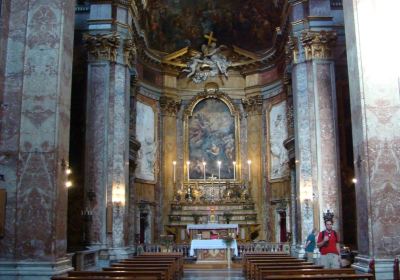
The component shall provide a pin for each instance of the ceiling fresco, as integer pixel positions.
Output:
(174, 24)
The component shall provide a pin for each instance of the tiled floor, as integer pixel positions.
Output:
(213, 274)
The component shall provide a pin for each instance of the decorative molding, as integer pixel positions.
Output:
(102, 46)
(211, 92)
(253, 105)
(169, 107)
(291, 50)
(317, 44)
(129, 52)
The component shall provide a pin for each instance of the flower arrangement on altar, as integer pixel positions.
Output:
(228, 240)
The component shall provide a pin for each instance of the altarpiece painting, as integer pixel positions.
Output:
(212, 137)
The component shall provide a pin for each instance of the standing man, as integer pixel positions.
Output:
(310, 246)
(328, 244)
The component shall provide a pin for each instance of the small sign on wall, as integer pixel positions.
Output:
(3, 199)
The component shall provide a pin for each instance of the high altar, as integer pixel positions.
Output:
(209, 191)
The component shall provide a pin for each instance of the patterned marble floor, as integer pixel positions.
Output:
(213, 274)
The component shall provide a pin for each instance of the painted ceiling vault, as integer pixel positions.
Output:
(174, 24)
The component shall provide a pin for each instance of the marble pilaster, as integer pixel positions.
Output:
(373, 58)
(254, 110)
(35, 137)
(169, 110)
(107, 137)
(317, 157)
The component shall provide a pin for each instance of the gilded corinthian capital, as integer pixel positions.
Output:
(253, 105)
(169, 106)
(317, 44)
(102, 46)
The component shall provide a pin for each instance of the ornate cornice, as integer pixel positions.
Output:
(129, 52)
(211, 90)
(291, 50)
(102, 46)
(317, 44)
(253, 105)
(169, 106)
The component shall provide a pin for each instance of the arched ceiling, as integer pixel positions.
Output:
(171, 25)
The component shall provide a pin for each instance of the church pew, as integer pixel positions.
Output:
(176, 255)
(254, 265)
(264, 256)
(172, 261)
(251, 273)
(103, 278)
(168, 274)
(159, 275)
(261, 273)
(321, 276)
(171, 270)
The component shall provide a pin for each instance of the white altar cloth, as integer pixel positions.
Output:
(212, 226)
(211, 244)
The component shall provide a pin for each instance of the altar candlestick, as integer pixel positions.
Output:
(219, 169)
(249, 163)
(174, 164)
(204, 170)
(234, 170)
(188, 172)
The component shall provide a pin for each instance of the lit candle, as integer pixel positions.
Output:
(249, 163)
(234, 170)
(188, 173)
(219, 170)
(174, 164)
(204, 170)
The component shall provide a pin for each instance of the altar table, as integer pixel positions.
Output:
(211, 245)
(212, 227)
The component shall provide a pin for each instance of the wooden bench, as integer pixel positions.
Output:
(167, 275)
(104, 274)
(285, 265)
(321, 276)
(260, 274)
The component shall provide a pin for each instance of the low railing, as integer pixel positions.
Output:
(242, 248)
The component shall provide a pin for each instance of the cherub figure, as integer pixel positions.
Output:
(193, 65)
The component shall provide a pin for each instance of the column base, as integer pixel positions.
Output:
(383, 267)
(23, 270)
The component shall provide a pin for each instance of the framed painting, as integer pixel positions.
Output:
(211, 137)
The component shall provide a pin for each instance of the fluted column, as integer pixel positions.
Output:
(317, 156)
(254, 110)
(374, 79)
(169, 110)
(37, 38)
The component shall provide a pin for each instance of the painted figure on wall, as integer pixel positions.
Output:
(145, 123)
(171, 25)
(211, 139)
(278, 134)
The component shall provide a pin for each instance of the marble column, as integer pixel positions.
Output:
(34, 136)
(107, 139)
(317, 156)
(374, 78)
(254, 110)
(169, 109)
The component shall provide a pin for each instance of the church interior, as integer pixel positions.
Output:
(134, 127)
